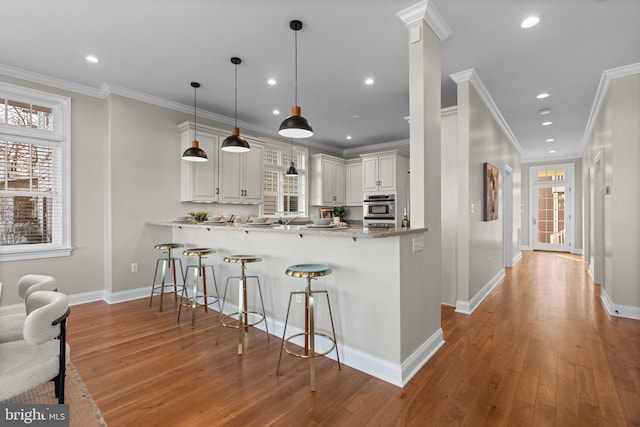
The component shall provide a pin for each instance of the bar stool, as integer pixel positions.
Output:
(309, 271)
(242, 313)
(199, 270)
(170, 261)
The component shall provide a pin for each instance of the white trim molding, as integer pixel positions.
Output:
(418, 358)
(426, 10)
(619, 310)
(603, 86)
(471, 75)
(516, 259)
(467, 307)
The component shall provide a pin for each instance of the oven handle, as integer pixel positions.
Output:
(377, 202)
(380, 217)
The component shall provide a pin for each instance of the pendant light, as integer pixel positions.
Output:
(292, 169)
(235, 143)
(195, 153)
(296, 126)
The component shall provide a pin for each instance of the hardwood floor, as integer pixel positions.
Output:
(540, 350)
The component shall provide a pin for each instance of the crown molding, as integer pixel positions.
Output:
(549, 158)
(375, 147)
(471, 75)
(603, 87)
(426, 10)
(31, 76)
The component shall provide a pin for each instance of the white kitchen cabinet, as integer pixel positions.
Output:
(328, 180)
(241, 176)
(199, 180)
(225, 177)
(381, 171)
(354, 183)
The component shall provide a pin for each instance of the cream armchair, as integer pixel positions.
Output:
(11, 326)
(40, 357)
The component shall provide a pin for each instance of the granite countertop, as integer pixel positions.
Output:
(309, 229)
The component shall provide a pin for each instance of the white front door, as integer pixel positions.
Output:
(552, 207)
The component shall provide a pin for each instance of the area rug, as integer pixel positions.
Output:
(83, 411)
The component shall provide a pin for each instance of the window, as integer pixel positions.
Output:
(284, 195)
(34, 174)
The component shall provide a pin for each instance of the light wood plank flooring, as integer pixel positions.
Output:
(540, 350)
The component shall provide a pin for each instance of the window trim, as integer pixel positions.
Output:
(59, 135)
(284, 147)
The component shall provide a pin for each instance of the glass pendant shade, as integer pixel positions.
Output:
(235, 143)
(296, 126)
(195, 153)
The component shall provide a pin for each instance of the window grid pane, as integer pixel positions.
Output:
(30, 197)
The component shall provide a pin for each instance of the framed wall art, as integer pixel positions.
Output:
(491, 191)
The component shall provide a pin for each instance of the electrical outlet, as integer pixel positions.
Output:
(418, 244)
(473, 207)
(299, 298)
(134, 267)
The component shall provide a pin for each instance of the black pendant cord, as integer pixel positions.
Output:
(296, 65)
(235, 94)
(195, 114)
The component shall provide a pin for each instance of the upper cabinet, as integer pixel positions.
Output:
(381, 171)
(225, 177)
(241, 176)
(199, 180)
(354, 183)
(328, 180)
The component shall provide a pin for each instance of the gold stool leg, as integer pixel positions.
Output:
(196, 273)
(242, 301)
(164, 273)
(312, 335)
(284, 332)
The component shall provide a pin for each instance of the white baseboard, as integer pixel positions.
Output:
(467, 307)
(619, 310)
(418, 358)
(516, 259)
(525, 248)
(577, 251)
(447, 304)
(122, 296)
(12, 310)
(393, 373)
(590, 271)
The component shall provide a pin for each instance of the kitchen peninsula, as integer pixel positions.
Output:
(375, 276)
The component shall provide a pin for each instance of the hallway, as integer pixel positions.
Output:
(540, 350)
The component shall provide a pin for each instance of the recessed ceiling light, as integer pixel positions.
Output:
(530, 21)
(552, 151)
(92, 59)
(348, 136)
(544, 111)
(550, 140)
(276, 112)
(546, 123)
(271, 82)
(355, 116)
(542, 95)
(368, 81)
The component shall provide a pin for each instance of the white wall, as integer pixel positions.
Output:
(614, 223)
(479, 252)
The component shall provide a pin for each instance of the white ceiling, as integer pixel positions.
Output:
(158, 47)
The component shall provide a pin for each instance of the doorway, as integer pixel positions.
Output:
(551, 192)
(508, 216)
